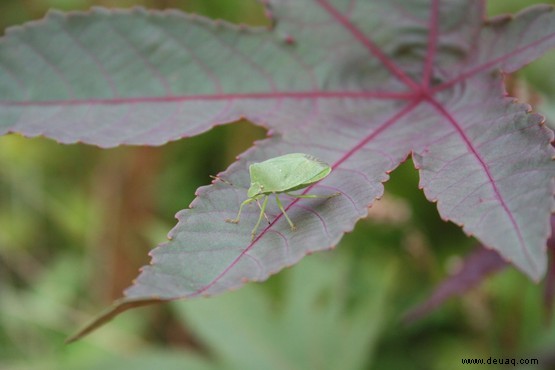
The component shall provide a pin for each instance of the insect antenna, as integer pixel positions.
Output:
(216, 178)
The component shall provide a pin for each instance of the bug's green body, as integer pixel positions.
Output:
(283, 174)
(286, 173)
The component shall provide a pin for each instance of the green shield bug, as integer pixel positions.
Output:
(283, 174)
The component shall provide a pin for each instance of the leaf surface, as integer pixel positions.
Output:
(360, 84)
(136, 77)
(484, 173)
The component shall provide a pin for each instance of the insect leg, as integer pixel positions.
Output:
(236, 219)
(262, 209)
(285, 214)
(265, 215)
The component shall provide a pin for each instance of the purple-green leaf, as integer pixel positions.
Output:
(360, 84)
(112, 77)
(493, 173)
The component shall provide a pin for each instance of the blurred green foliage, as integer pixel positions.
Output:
(77, 222)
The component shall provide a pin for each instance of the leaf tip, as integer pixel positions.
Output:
(107, 315)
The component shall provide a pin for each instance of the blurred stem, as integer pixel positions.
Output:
(124, 187)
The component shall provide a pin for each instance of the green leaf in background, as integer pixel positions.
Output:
(317, 323)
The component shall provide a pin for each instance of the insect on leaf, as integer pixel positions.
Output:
(359, 84)
(282, 174)
(288, 172)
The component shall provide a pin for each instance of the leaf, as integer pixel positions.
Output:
(150, 77)
(360, 84)
(146, 359)
(482, 174)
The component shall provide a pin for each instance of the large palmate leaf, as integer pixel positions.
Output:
(360, 84)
